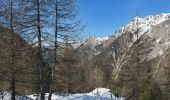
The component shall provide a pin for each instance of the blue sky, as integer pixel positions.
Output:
(103, 17)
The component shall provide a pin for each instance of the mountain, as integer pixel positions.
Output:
(115, 57)
(135, 58)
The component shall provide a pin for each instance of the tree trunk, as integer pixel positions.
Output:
(55, 52)
(40, 65)
(13, 87)
(12, 53)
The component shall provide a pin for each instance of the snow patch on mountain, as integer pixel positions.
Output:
(158, 40)
(161, 52)
(92, 41)
(95, 40)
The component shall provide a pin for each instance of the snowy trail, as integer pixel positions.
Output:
(97, 94)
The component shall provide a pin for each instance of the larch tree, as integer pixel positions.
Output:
(136, 65)
(66, 32)
(129, 60)
(8, 15)
(35, 30)
(16, 51)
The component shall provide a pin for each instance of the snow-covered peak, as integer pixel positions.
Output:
(93, 40)
(143, 24)
(102, 38)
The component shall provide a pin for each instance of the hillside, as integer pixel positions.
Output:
(25, 63)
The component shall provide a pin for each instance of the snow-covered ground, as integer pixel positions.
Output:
(97, 94)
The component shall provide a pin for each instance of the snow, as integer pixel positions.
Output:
(77, 44)
(97, 94)
(143, 24)
(102, 38)
(7, 95)
(161, 52)
(167, 43)
(93, 40)
(158, 40)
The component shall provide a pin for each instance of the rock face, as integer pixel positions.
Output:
(121, 60)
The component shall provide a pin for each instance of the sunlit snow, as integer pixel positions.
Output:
(97, 94)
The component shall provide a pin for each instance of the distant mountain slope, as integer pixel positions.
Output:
(115, 56)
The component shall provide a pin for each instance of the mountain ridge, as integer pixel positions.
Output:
(144, 24)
